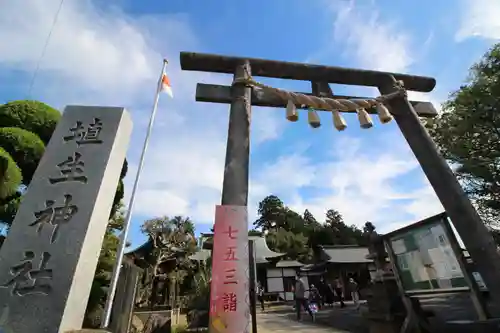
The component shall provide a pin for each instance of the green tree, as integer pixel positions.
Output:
(25, 147)
(254, 232)
(270, 213)
(341, 232)
(104, 270)
(25, 129)
(32, 116)
(296, 235)
(173, 242)
(273, 214)
(310, 222)
(295, 245)
(467, 133)
(10, 175)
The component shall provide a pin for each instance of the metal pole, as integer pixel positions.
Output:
(128, 218)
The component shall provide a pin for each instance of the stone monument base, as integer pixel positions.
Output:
(386, 312)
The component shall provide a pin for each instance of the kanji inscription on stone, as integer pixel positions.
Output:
(48, 260)
(86, 134)
(30, 276)
(71, 169)
(54, 215)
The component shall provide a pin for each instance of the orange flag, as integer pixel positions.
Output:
(165, 85)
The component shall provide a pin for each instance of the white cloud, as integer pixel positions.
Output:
(362, 185)
(105, 56)
(479, 18)
(362, 182)
(108, 57)
(376, 43)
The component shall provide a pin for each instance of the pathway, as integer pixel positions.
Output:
(281, 319)
(278, 322)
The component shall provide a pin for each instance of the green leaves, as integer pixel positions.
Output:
(33, 116)
(468, 133)
(10, 175)
(25, 147)
(297, 235)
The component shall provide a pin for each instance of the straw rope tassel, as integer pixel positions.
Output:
(334, 105)
(291, 112)
(338, 121)
(383, 114)
(365, 120)
(313, 118)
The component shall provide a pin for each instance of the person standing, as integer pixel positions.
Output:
(323, 291)
(260, 295)
(337, 284)
(354, 288)
(300, 298)
(315, 296)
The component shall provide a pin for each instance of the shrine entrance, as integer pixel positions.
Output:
(392, 104)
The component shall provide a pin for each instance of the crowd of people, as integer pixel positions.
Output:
(321, 295)
(324, 294)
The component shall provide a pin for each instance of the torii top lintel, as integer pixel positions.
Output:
(299, 71)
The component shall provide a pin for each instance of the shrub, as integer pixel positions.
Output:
(33, 116)
(10, 175)
(9, 207)
(25, 147)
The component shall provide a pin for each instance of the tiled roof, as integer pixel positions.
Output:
(201, 255)
(262, 251)
(354, 254)
(288, 263)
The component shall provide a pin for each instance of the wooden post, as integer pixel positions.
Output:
(253, 294)
(235, 184)
(296, 71)
(475, 292)
(469, 225)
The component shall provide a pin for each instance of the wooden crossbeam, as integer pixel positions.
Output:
(298, 71)
(222, 94)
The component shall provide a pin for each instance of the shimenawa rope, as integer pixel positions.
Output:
(325, 103)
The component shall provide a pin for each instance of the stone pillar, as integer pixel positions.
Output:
(386, 310)
(48, 260)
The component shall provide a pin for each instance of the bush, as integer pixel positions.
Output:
(9, 207)
(25, 147)
(120, 192)
(33, 116)
(10, 175)
(179, 329)
(124, 169)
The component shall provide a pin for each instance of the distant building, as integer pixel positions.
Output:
(277, 275)
(339, 261)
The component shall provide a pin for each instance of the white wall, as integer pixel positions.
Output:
(275, 281)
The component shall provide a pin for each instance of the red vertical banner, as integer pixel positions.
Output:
(229, 301)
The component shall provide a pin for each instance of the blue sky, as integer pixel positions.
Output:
(109, 53)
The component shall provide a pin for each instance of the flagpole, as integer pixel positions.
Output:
(123, 239)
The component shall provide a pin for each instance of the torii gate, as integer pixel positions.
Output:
(392, 86)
